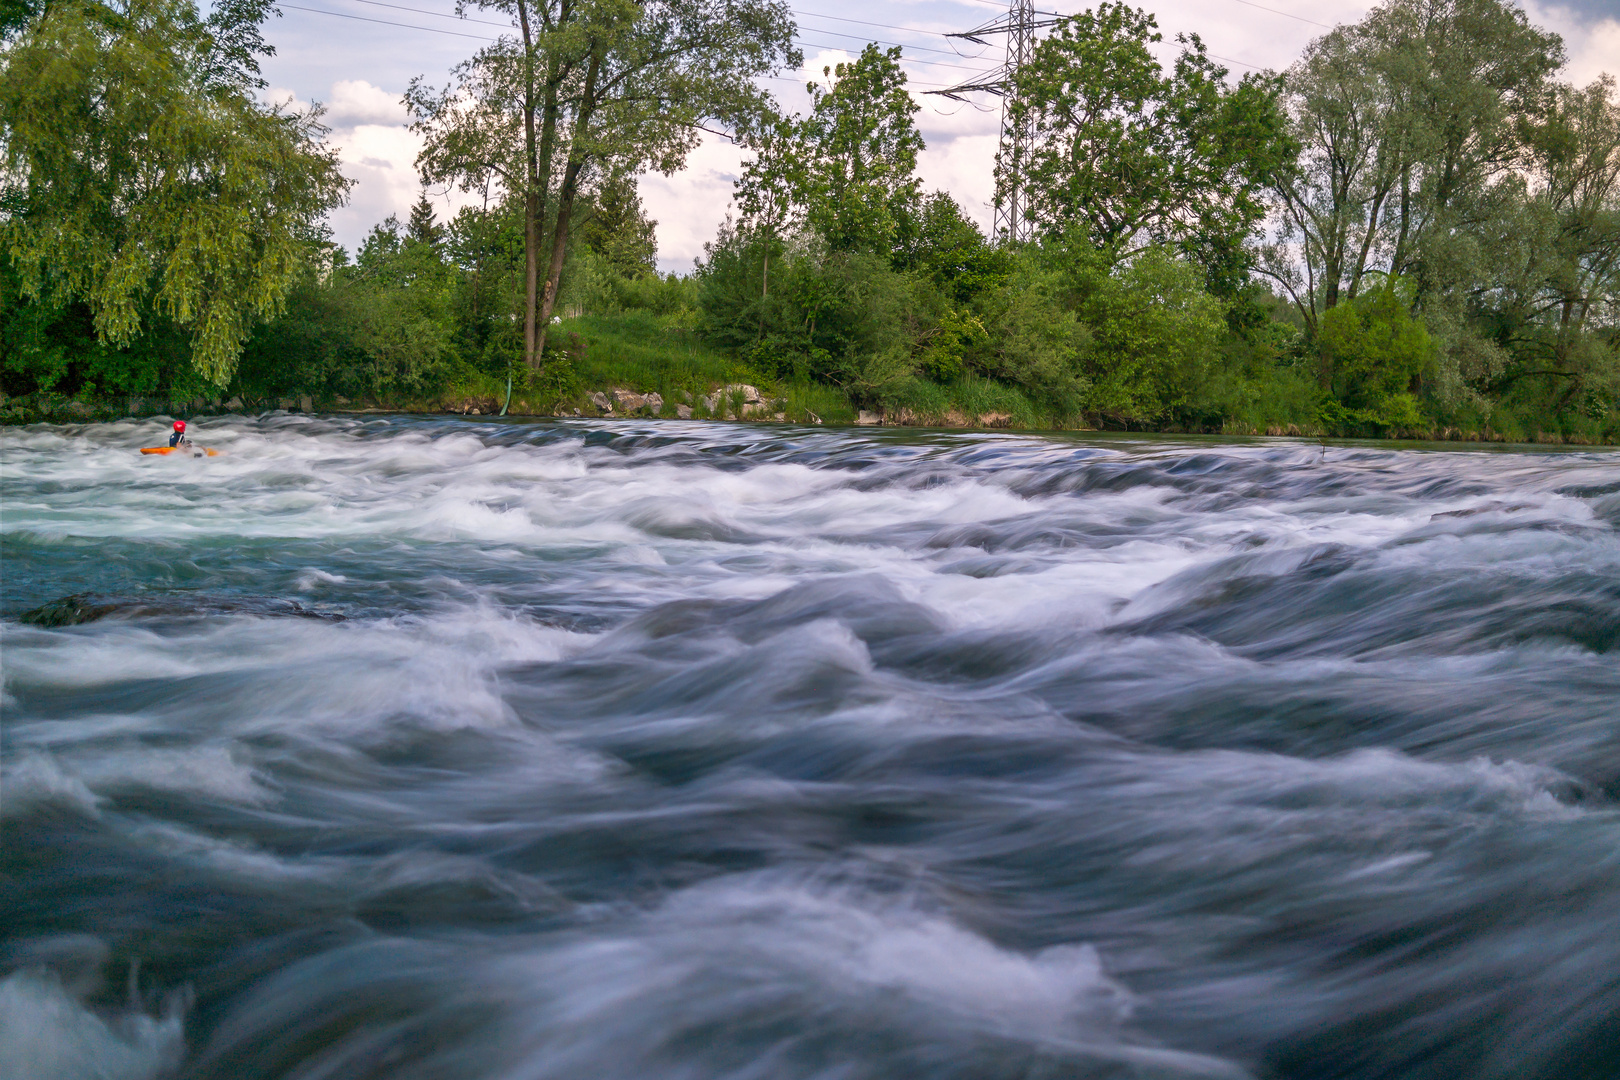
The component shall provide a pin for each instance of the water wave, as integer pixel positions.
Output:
(418, 748)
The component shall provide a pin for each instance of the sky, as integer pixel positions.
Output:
(355, 59)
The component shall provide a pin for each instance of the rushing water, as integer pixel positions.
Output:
(431, 749)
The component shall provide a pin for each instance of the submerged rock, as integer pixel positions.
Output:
(81, 608)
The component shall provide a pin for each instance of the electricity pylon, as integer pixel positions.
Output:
(1019, 24)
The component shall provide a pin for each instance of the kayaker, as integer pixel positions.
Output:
(179, 436)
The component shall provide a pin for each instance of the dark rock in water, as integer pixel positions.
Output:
(68, 611)
(83, 608)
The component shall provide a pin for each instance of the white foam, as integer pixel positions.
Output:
(755, 944)
(46, 1035)
(36, 780)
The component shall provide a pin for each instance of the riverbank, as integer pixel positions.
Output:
(635, 364)
(731, 402)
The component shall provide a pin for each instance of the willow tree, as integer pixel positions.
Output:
(586, 87)
(1413, 125)
(142, 177)
(1554, 299)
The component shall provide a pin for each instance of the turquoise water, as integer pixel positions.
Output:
(429, 748)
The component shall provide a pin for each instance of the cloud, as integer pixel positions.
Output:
(355, 102)
(1591, 33)
(378, 151)
(1584, 10)
(690, 205)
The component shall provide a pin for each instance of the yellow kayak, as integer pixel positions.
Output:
(196, 451)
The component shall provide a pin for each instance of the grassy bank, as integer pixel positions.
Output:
(599, 366)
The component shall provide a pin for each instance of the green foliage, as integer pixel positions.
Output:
(586, 87)
(399, 315)
(842, 317)
(1448, 249)
(145, 181)
(1032, 339)
(1373, 353)
(643, 352)
(614, 226)
(1140, 157)
(1155, 335)
(860, 144)
(845, 173)
(936, 240)
(423, 226)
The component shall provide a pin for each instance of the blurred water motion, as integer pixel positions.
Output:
(423, 748)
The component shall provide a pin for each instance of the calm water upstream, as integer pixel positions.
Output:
(433, 749)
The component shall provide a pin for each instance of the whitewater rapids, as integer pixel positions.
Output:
(427, 748)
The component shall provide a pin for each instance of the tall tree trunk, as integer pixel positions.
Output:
(539, 149)
(566, 193)
(531, 194)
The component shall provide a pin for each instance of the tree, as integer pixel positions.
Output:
(1355, 138)
(1411, 122)
(1417, 129)
(1556, 298)
(615, 226)
(142, 179)
(588, 86)
(1140, 157)
(860, 147)
(422, 227)
(1468, 74)
(399, 311)
(936, 239)
(847, 171)
(1372, 353)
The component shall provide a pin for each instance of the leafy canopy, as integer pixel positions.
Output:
(1138, 156)
(143, 179)
(847, 171)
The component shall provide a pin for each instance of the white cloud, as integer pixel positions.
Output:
(355, 102)
(376, 148)
(690, 205)
(1592, 43)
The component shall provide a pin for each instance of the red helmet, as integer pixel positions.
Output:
(179, 425)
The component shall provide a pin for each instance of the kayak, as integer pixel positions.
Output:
(196, 451)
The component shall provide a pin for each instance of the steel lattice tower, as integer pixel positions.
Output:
(1019, 24)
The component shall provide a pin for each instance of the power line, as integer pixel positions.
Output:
(797, 41)
(435, 14)
(805, 14)
(1284, 14)
(910, 59)
(385, 22)
(879, 41)
(481, 37)
(863, 22)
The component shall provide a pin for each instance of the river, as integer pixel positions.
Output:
(427, 748)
